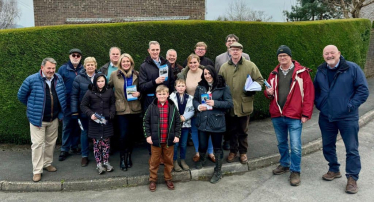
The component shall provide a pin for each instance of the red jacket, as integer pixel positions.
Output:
(300, 99)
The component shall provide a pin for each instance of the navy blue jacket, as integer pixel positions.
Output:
(32, 94)
(347, 92)
(68, 74)
(80, 87)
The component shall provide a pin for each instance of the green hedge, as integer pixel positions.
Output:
(22, 50)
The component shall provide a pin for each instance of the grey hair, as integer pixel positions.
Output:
(114, 47)
(153, 43)
(167, 52)
(51, 60)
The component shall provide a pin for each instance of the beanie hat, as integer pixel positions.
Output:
(284, 49)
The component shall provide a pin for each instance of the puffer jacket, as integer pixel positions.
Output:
(213, 120)
(80, 87)
(347, 92)
(151, 123)
(300, 98)
(148, 74)
(189, 110)
(102, 103)
(122, 105)
(32, 94)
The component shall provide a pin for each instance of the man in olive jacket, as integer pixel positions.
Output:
(235, 72)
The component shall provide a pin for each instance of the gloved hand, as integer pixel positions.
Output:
(249, 93)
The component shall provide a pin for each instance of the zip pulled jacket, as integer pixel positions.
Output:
(188, 112)
(300, 98)
(151, 123)
(348, 90)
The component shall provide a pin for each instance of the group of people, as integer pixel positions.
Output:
(202, 98)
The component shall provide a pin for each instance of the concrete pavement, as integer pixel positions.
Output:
(16, 168)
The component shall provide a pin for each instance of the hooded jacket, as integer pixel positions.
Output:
(300, 98)
(348, 90)
(189, 110)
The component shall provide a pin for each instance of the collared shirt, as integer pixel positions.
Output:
(91, 77)
(158, 63)
(111, 68)
(336, 66)
(164, 112)
(286, 71)
(48, 81)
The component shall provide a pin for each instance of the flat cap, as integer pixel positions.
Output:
(236, 45)
(75, 50)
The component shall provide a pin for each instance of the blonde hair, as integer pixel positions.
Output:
(182, 81)
(201, 43)
(192, 56)
(162, 88)
(88, 60)
(128, 73)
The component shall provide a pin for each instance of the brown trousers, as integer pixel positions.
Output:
(156, 153)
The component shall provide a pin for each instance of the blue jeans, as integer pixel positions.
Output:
(349, 132)
(182, 144)
(284, 126)
(70, 134)
(84, 137)
(195, 137)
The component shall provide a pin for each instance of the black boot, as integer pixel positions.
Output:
(128, 159)
(122, 163)
(199, 164)
(217, 175)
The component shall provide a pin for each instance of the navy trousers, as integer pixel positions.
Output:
(349, 131)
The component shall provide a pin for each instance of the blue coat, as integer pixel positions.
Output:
(68, 73)
(80, 87)
(347, 92)
(32, 94)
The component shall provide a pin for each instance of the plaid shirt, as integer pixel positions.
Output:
(164, 113)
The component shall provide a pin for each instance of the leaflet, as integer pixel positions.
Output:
(204, 98)
(129, 91)
(251, 85)
(163, 70)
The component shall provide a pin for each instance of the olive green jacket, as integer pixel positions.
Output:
(235, 76)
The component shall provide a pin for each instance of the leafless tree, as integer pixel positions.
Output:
(350, 8)
(239, 10)
(9, 13)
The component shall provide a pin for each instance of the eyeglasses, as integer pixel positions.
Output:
(200, 49)
(76, 56)
(231, 40)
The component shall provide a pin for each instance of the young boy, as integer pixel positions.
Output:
(162, 128)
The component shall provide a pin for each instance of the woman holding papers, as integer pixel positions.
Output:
(212, 99)
(192, 74)
(128, 107)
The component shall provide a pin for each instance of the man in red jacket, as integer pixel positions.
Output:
(291, 92)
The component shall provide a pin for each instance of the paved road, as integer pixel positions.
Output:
(258, 185)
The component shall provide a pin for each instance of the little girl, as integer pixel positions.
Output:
(183, 102)
(99, 104)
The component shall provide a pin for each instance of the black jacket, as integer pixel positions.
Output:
(151, 123)
(104, 69)
(80, 87)
(213, 120)
(103, 103)
(148, 74)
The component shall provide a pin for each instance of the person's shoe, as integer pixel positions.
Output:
(108, 167)
(170, 184)
(50, 168)
(212, 158)
(226, 145)
(100, 169)
(63, 155)
(216, 177)
(280, 170)
(196, 158)
(122, 163)
(199, 164)
(152, 186)
(351, 187)
(231, 157)
(331, 175)
(243, 158)
(84, 161)
(37, 177)
(128, 160)
(295, 178)
(75, 151)
(177, 168)
(184, 165)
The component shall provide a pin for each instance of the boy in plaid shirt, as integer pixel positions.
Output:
(162, 128)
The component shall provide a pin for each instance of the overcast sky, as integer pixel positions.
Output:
(214, 8)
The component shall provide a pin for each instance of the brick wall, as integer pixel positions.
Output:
(369, 66)
(55, 12)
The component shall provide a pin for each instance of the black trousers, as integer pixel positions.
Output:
(238, 128)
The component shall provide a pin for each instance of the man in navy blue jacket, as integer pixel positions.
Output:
(44, 95)
(340, 88)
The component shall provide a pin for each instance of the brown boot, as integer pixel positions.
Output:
(50, 168)
(37, 177)
(331, 175)
(152, 186)
(280, 170)
(243, 158)
(295, 179)
(231, 157)
(351, 187)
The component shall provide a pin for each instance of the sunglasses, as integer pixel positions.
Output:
(76, 56)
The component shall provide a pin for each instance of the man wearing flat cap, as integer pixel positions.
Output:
(291, 95)
(70, 127)
(235, 72)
